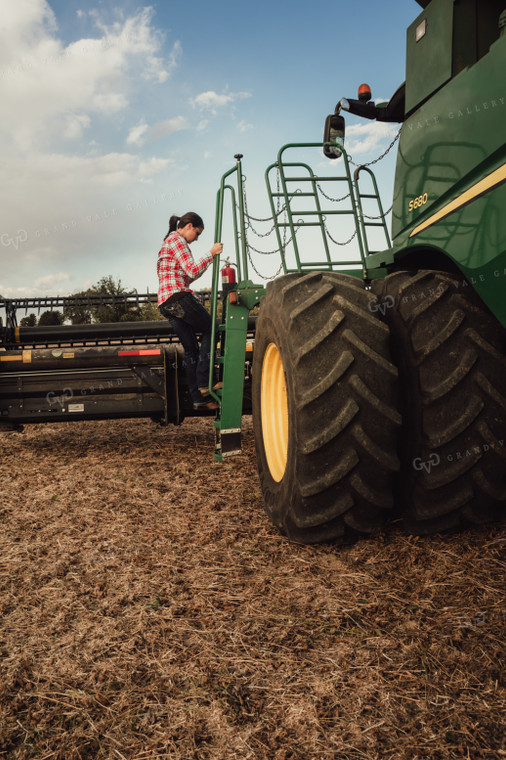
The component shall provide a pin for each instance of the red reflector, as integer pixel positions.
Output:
(233, 297)
(141, 352)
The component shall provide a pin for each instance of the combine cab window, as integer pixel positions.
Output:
(475, 28)
(447, 36)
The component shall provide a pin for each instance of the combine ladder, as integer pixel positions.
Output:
(306, 184)
(237, 304)
(233, 327)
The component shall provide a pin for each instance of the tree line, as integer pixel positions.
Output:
(83, 314)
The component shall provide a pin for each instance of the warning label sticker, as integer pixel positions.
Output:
(76, 407)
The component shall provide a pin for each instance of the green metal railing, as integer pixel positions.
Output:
(292, 187)
(374, 221)
(241, 256)
(315, 217)
(296, 180)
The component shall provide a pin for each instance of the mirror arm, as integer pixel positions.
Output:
(359, 108)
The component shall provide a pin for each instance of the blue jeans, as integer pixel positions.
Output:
(188, 317)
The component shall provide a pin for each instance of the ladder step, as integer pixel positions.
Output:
(317, 179)
(294, 195)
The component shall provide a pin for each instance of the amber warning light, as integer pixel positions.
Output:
(364, 93)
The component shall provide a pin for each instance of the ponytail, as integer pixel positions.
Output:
(177, 222)
(172, 225)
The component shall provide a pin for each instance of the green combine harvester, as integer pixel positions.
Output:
(377, 382)
(379, 385)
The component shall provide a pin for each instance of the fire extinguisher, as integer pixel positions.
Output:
(227, 277)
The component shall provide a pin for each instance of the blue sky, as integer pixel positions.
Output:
(118, 114)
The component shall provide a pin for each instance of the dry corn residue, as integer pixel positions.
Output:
(149, 610)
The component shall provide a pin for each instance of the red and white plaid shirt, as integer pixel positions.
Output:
(176, 267)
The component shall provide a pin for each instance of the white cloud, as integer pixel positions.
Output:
(67, 199)
(62, 172)
(59, 283)
(175, 56)
(243, 126)
(142, 132)
(50, 281)
(362, 138)
(75, 124)
(137, 134)
(25, 23)
(168, 127)
(211, 100)
(48, 89)
(65, 210)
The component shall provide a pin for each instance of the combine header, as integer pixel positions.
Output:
(55, 373)
(378, 385)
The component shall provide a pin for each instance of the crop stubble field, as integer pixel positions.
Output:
(150, 610)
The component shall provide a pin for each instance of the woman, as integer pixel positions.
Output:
(176, 270)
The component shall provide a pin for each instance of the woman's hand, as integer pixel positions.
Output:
(216, 249)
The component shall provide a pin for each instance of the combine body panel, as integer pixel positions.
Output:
(450, 194)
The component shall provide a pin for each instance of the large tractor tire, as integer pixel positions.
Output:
(451, 355)
(324, 408)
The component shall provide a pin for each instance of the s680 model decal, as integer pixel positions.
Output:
(421, 200)
(483, 186)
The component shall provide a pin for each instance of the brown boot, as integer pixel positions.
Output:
(206, 405)
(216, 387)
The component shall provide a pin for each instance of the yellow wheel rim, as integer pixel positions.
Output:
(274, 406)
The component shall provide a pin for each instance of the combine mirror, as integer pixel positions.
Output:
(333, 133)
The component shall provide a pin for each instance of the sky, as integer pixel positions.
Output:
(116, 115)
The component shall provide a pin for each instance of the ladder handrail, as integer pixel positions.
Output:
(288, 196)
(376, 196)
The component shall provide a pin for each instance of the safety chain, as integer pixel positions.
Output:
(380, 216)
(337, 242)
(379, 157)
(249, 247)
(257, 219)
(283, 208)
(263, 276)
(263, 253)
(276, 250)
(253, 230)
(328, 197)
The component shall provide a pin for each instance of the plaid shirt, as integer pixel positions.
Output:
(176, 267)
